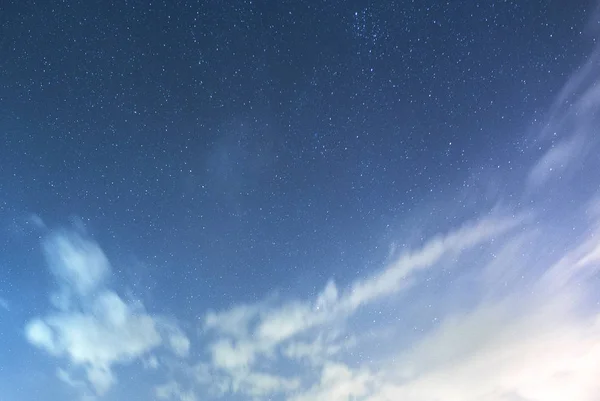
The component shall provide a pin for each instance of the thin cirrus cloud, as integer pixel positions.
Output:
(570, 131)
(555, 161)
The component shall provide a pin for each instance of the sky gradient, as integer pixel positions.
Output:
(300, 201)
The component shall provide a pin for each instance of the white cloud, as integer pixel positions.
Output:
(576, 95)
(577, 265)
(78, 262)
(231, 355)
(37, 222)
(4, 304)
(233, 322)
(151, 362)
(288, 320)
(524, 343)
(249, 332)
(39, 334)
(264, 329)
(393, 278)
(507, 264)
(67, 378)
(96, 329)
(338, 383)
(490, 351)
(205, 376)
(180, 344)
(555, 160)
(319, 350)
(572, 123)
(522, 340)
(177, 339)
(492, 355)
(252, 384)
(111, 332)
(535, 343)
(173, 391)
(258, 384)
(80, 386)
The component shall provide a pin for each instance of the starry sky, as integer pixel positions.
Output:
(299, 200)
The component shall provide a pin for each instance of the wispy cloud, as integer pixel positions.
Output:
(338, 383)
(273, 325)
(571, 126)
(248, 334)
(555, 161)
(173, 390)
(532, 344)
(78, 263)
(320, 349)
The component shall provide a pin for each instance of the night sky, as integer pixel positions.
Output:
(300, 200)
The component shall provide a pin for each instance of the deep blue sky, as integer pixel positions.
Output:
(241, 153)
